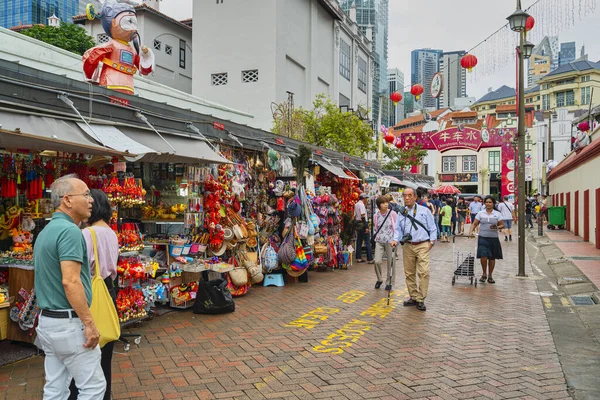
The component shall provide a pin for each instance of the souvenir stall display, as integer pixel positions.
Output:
(333, 201)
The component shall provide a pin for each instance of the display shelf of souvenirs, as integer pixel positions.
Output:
(131, 304)
(129, 237)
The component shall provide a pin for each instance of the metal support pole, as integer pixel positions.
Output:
(521, 164)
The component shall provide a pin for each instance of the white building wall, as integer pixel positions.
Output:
(477, 187)
(585, 177)
(231, 37)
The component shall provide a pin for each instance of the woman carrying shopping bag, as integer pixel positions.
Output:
(385, 221)
(103, 246)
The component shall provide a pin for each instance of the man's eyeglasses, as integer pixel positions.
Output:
(87, 195)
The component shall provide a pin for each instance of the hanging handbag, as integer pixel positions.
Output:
(300, 263)
(287, 251)
(302, 228)
(103, 308)
(239, 276)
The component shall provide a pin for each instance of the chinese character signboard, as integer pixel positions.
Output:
(455, 138)
(459, 177)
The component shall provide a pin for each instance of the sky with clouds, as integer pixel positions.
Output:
(448, 25)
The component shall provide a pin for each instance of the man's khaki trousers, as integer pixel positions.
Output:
(416, 267)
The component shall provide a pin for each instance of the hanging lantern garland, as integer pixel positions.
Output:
(416, 90)
(396, 97)
(468, 62)
(551, 18)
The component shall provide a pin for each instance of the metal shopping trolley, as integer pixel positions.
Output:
(464, 262)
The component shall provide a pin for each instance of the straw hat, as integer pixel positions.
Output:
(228, 233)
(295, 274)
(221, 251)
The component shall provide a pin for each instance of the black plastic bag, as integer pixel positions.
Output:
(213, 298)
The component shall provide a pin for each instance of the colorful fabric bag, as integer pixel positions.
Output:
(300, 263)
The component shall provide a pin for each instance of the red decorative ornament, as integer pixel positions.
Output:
(398, 144)
(396, 97)
(584, 126)
(389, 138)
(416, 90)
(468, 62)
(529, 24)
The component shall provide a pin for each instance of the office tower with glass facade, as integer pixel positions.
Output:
(28, 12)
(454, 79)
(425, 63)
(568, 53)
(374, 14)
(396, 82)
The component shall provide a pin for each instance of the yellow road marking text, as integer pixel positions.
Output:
(313, 318)
(352, 296)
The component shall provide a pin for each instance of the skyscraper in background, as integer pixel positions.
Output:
(543, 60)
(568, 53)
(409, 104)
(374, 14)
(424, 64)
(454, 79)
(27, 12)
(396, 84)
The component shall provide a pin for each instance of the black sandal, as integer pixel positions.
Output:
(483, 279)
(491, 280)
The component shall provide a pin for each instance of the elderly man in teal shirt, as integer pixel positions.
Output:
(417, 232)
(66, 331)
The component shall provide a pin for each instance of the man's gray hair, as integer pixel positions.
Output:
(61, 187)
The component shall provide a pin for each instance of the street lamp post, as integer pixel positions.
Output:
(517, 22)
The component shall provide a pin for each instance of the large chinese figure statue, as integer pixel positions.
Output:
(113, 64)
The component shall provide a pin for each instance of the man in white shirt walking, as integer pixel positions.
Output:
(508, 212)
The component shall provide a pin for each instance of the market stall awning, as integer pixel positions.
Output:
(188, 149)
(337, 171)
(31, 132)
(112, 137)
(410, 184)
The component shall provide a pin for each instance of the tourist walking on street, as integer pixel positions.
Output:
(362, 229)
(454, 215)
(474, 207)
(108, 255)
(488, 244)
(66, 331)
(508, 214)
(417, 231)
(461, 210)
(528, 214)
(437, 217)
(446, 214)
(384, 225)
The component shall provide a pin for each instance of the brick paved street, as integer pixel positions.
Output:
(489, 342)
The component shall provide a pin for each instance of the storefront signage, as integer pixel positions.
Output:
(458, 177)
(384, 182)
(495, 176)
(436, 85)
(218, 126)
(455, 138)
(371, 179)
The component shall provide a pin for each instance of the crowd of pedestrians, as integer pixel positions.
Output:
(422, 221)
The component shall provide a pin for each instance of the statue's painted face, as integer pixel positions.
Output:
(124, 26)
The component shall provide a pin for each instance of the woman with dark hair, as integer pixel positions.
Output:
(488, 245)
(108, 254)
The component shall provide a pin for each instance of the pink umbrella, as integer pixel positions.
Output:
(447, 189)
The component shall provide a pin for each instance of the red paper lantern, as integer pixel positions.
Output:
(529, 24)
(396, 97)
(398, 144)
(416, 90)
(468, 62)
(389, 138)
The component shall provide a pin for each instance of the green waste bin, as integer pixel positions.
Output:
(557, 217)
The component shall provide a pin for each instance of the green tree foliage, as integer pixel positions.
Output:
(326, 126)
(70, 37)
(400, 159)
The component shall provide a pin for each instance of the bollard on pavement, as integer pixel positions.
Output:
(540, 221)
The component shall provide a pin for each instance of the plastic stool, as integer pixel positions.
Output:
(273, 280)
